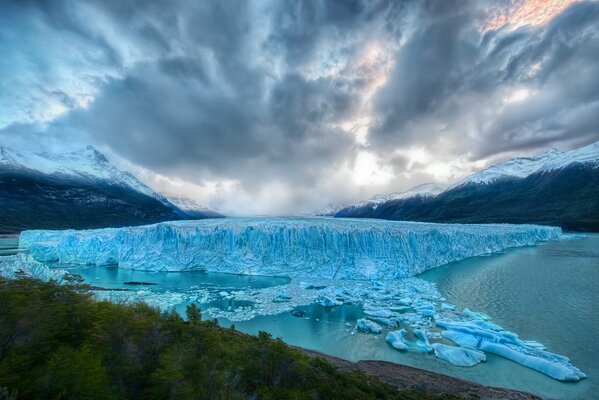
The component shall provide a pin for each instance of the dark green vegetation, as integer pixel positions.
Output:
(568, 198)
(31, 200)
(56, 342)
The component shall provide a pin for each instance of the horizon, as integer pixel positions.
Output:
(282, 108)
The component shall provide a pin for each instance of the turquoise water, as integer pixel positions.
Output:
(548, 293)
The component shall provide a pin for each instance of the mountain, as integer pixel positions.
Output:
(329, 211)
(74, 190)
(523, 167)
(414, 195)
(193, 208)
(555, 188)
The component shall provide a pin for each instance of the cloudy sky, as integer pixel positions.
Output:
(280, 107)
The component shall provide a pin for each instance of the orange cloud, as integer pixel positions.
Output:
(526, 12)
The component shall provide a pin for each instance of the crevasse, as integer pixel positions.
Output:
(294, 247)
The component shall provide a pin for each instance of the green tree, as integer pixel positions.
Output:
(194, 314)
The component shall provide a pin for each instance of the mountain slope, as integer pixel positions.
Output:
(74, 190)
(554, 189)
(413, 196)
(192, 207)
(329, 211)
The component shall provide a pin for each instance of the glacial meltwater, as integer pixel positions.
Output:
(548, 293)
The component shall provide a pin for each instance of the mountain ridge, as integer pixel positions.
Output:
(77, 190)
(555, 188)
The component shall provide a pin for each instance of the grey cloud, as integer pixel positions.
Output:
(256, 91)
(448, 71)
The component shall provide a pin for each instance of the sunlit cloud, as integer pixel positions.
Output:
(367, 170)
(526, 12)
(518, 95)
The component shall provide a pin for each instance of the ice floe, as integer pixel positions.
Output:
(397, 339)
(368, 326)
(460, 356)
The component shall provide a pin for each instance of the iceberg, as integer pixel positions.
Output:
(506, 344)
(292, 247)
(365, 325)
(329, 302)
(422, 341)
(397, 339)
(459, 356)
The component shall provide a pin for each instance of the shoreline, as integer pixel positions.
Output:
(405, 377)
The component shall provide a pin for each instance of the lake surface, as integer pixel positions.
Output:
(548, 293)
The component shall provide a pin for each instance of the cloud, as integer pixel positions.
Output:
(451, 80)
(285, 106)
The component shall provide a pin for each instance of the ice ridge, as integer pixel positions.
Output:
(293, 247)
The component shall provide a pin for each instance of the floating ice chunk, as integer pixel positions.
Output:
(426, 310)
(397, 339)
(459, 356)
(378, 312)
(507, 344)
(329, 302)
(282, 298)
(476, 315)
(422, 340)
(399, 309)
(406, 301)
(553, 368)
(460, 338)
(384, 321)
(447, 307)
(534, 344)
(365, 325)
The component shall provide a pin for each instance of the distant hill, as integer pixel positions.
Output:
(555, 188)
(75, 190)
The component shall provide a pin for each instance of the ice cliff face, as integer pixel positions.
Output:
(22, 265)
(293, 247)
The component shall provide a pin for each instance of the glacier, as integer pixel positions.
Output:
(292, 247)
(17, 265)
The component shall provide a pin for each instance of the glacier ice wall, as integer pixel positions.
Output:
(293, 247)
(23, 265)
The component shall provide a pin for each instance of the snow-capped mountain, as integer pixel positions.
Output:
(192, 207)
(425, 190)
(75, 190)
(329, 211)
(554, 188)
(522, 167)
(88, 164)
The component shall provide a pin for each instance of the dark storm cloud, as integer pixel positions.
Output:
(448, 72)
(300, 27)
(198, 100)
(566, 105)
